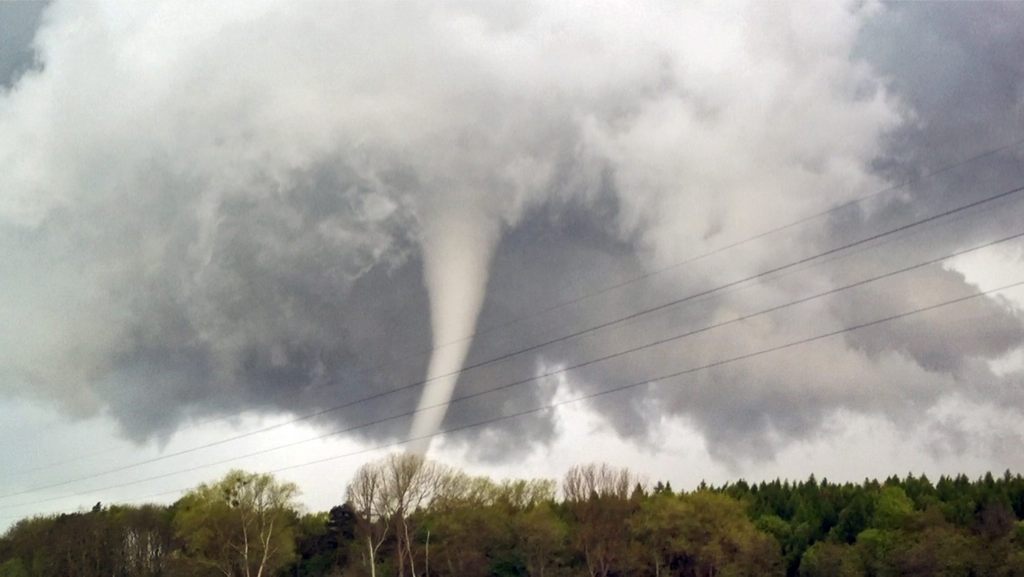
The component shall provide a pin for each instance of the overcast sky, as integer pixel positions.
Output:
(220, 218)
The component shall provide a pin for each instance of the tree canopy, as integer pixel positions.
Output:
(405, 516)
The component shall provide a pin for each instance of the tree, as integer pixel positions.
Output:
(481, 527)
(656, 526)
(241, 526)
(146, 539)
(372, 525)
(541, 538)
(469, 539)
(827, 559)
(705, 533)
(854, 518)
(892, 509)
(323, 542)
(387, 492)
(13, 568)
(598, 497)
(934, 547)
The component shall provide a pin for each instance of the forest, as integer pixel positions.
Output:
(406, 516)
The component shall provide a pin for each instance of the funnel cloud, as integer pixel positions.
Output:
(457, 249)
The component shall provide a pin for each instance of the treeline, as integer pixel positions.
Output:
(404, 516)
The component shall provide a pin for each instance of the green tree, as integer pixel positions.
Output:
(469, 539)
(144, 539)
(933, 549)
(598, 497)
(873, 548)
(541, 537)
(721, 540)
(704, 533)
(854, 518)
(825, 559)
(892, 509)
(323, 542)
(241, 526)
(13, 568)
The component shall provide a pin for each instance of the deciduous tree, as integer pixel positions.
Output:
(242, 526)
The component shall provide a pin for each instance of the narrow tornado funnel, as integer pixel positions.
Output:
(457, 249)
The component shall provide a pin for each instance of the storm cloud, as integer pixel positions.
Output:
(233, 208)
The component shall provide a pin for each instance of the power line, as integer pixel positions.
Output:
(604, 392)
(668, 376)
(734, 244)
(507, 386)
(576, 334)
(576, 300)
(715, 251)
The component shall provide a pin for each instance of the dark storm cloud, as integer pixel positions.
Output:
(18, 24)
(958, 64)
(938, 342)
(257, 244)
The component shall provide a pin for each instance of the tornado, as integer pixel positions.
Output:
(457, 248)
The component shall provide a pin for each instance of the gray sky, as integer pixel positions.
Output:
(215, 220)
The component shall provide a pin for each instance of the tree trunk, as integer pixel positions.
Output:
(266, 548)
(373, 558)
(245, 544)
(408, 548)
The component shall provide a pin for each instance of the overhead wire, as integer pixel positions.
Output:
(548, 374)
(604, 392)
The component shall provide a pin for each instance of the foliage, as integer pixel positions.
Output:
(407, 516)
(242, 526)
